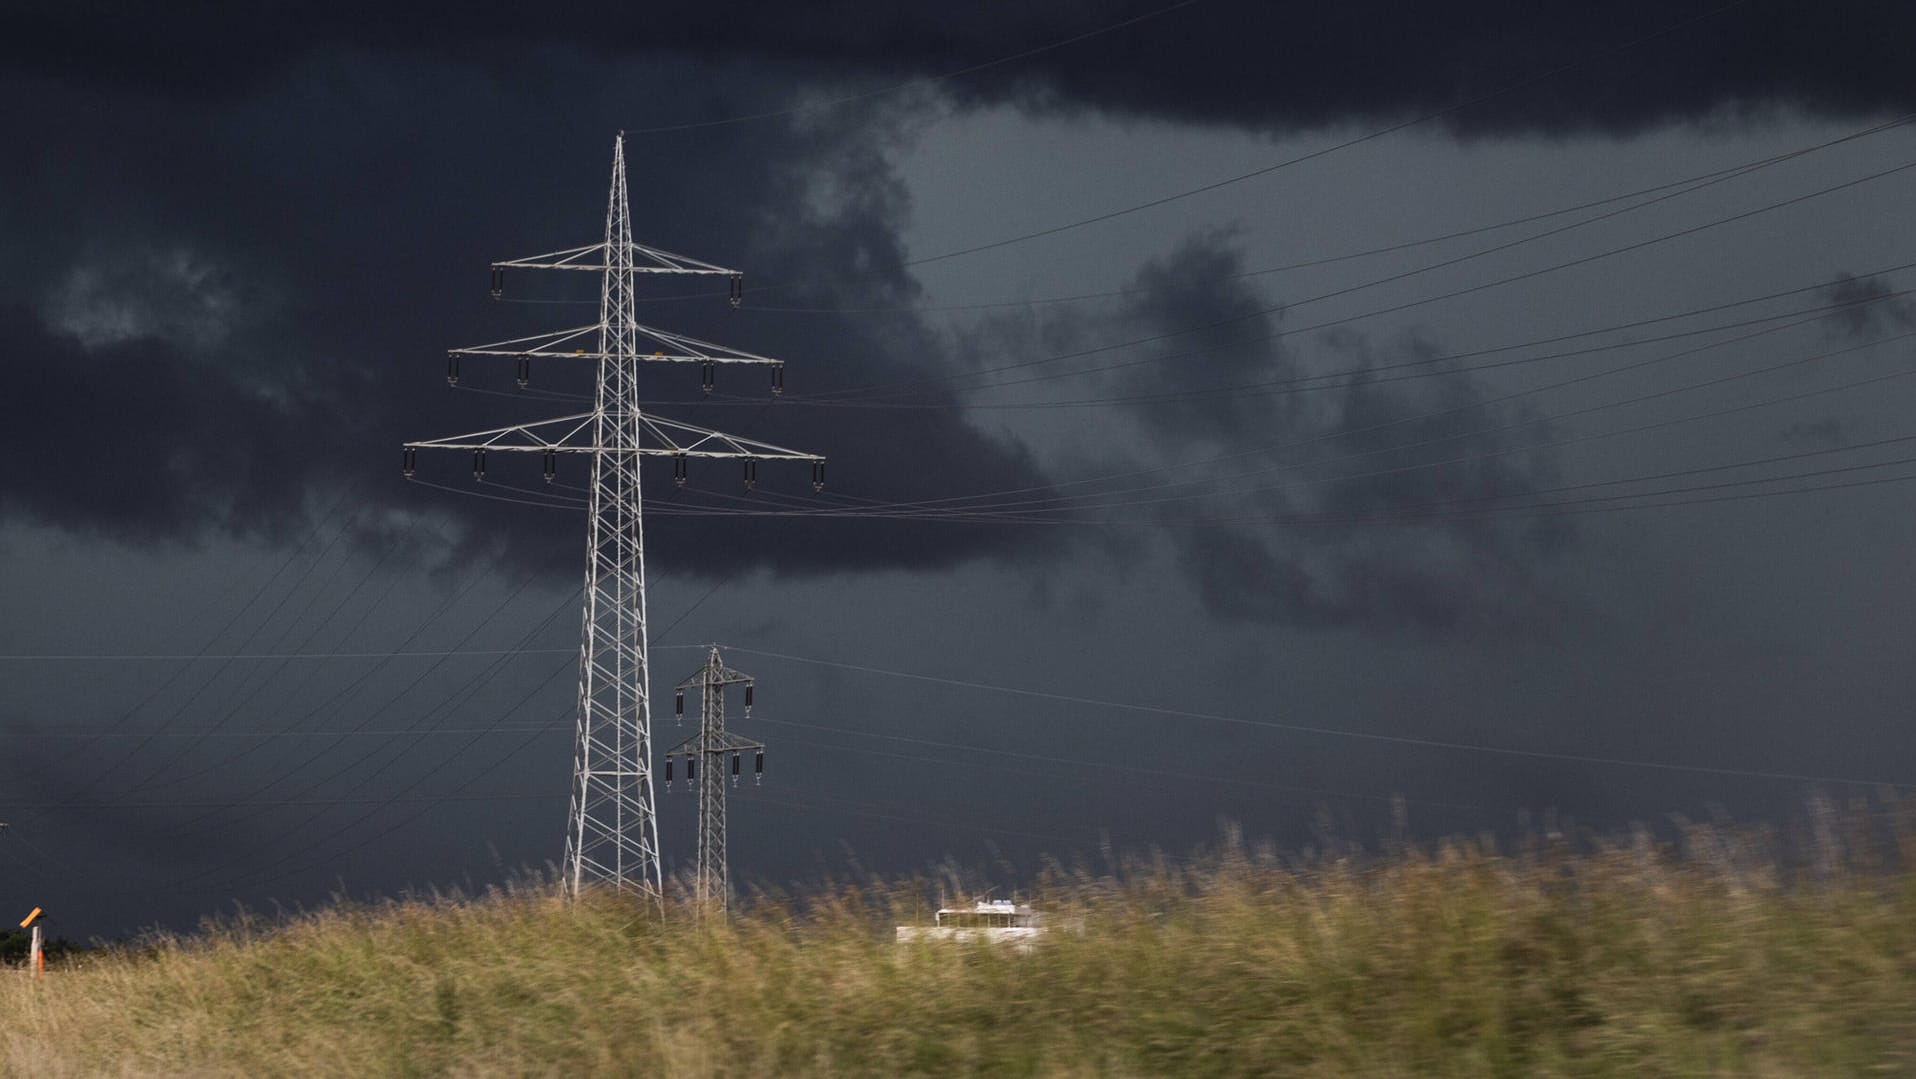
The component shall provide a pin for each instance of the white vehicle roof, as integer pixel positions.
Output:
(989, 906)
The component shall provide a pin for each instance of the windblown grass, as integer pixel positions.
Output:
(1717, 955)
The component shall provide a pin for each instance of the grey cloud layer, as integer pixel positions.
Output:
(1280, 529)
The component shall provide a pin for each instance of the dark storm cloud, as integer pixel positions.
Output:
(133, 441)
(1271, 66)
(1335, 516)
(227, 312)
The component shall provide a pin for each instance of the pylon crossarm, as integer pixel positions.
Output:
(695, 350)
(589, 257)
(541, 437)
(686, 440)
(592, 257)
(710, 676)
(539, 344)
(677, 348)
(576, 434)
(721, 742)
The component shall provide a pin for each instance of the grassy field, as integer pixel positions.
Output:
(1712, 956)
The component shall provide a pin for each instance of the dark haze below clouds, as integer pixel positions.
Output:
(1275, 66)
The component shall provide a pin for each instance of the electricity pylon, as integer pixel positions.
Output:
(707, 755)
(612, 829)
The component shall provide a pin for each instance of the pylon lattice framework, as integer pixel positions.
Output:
(612, 828)
(707, 755)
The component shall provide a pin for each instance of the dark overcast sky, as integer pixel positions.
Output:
(1248, 411)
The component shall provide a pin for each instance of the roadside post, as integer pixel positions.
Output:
(36, 956)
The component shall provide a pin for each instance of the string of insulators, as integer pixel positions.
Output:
(408, 461)
(498, 281)
(748, 699)
(818, 475)
(778, 380)
(691, 767)
(678, 705)
(738, 289)
(708, 375)
(552, 464)
(668, 772)
(525, 371)
(479, 465)
(758, 768)
(452, 369)
(751, 473)
(680, 464)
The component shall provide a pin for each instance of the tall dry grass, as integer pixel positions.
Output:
(1728, 952)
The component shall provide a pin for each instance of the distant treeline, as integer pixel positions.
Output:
(15, 944)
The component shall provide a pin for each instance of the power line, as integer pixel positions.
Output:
(475, 735)
(213, 732)
(432, 801)
(96, 776)
(428, 802)
(1026, 510)
(998, 511)
(1568, 507)
(1436, 365)
(402, 654)
(1029, 506)
(1111, 766)
(280, 665)
(1664, 191)
(318, 529)
(569, 504)
(968, 503)
(931, 380)
(969, 823)
(1330, 732)
(353, 686)
(275, 803)
(1321, 152)
(1313, 155)
(466, 693)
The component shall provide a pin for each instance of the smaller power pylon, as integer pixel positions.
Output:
(709, 756)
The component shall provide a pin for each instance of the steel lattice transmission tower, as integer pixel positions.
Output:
(707, 755)
(612, 831)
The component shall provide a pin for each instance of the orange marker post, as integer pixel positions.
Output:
(36, 954)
